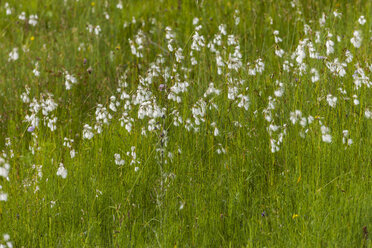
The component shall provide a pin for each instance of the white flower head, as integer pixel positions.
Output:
(356, 40)
(327, 138)
(362, 20)
(3, 197)
(222, 29)
(33, 20)
(62, 172)
(294, 116)
(332, 100)
(279, 52)
(195, 21)
(87, 132)
(118, 160)
(337, 14)
(274, 146)
(368, 114)
(315, 76)
(329, 45)
(13, 55)
(22, 16)
(119, 5)
(6, 237)
(8, 9)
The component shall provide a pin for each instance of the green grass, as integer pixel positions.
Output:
(185, 188)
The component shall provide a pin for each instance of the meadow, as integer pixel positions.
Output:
(185, 123)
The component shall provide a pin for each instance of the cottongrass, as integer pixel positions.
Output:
(144, 129)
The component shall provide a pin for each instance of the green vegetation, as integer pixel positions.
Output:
(185, 123)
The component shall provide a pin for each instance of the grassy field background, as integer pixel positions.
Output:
(112, 134)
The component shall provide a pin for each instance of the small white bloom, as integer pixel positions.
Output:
(327, 138)
(368, 114)
(33, 20)
(222, 29)
(322, 20)
(36, 72)
(62, 172)
(244, 102)
(315, 76)
(324, 129)
(273, 145)
(118, 160)
(357, 39)
(69, 80)
(52, 123)
(279, 52)
(193, 61)
(98, 193)
(329, 46)
(310, 119)
(13, 55)
(303, 121)
(179, 55)
(119, 5)
(345, 133)
(279, 92)
(4, 172)
(216, 132)
(349, 56)
(273, 128)
(97, 30)
(87, 132)
(8, 9)
(332, 100)
(195, 21)
(294, 116)
(337, 14)
(362, 20)
(22, 16)
(3, 197)
(6, 237)
(72, 153)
